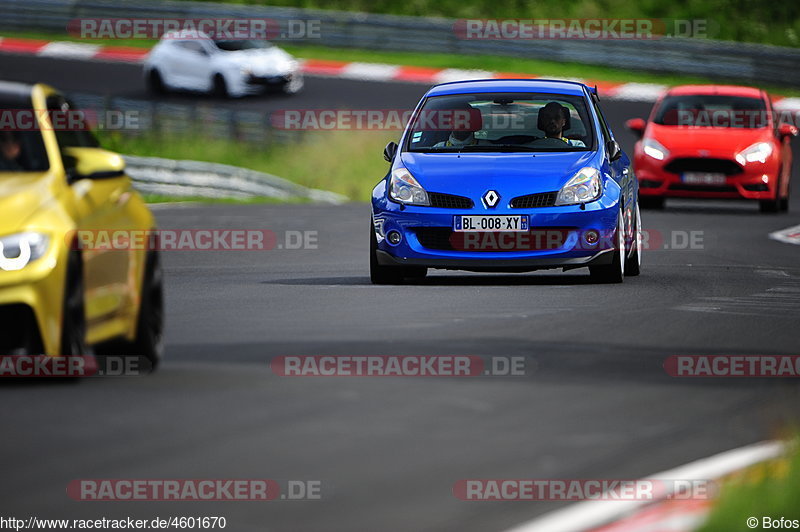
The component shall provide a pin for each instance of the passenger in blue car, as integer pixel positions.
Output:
(469, 120)
(554, 119)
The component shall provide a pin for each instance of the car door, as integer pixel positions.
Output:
(109, 274)
(192, 63)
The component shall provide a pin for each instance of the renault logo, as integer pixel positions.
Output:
(491, 198)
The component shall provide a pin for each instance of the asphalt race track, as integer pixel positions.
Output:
(596, 402)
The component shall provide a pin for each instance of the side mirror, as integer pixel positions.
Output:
(614, 151)
(787, 130)
(637, 125)
(390, 151)
(92, 163)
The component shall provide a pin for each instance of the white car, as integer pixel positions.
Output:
(195, 62)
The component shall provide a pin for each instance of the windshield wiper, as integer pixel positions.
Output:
(500, 147)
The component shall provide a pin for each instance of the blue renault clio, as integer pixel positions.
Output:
(509, 176)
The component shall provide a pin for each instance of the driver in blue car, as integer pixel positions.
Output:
(554, 119)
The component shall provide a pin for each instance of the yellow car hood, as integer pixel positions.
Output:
(21, 195)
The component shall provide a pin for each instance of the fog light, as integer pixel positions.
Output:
(394, 237)
(591, 236)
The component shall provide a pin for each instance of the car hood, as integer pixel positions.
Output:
(510, 174)
(21, 195)
(713, 141)
(262, 61)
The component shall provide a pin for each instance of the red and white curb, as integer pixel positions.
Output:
(659, 516)
(790, 235)
(634, 92)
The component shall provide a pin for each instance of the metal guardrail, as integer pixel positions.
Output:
(168, 177)
(149, 116)
(717, 59)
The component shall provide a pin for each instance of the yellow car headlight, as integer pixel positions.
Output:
(20, 249)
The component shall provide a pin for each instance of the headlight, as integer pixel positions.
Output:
(654, 149)
(757, 152)
(585, 186)
(16, 251)
(403, 188)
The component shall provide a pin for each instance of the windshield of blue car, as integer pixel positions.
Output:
(502, 122)
(712, 110)
(248, 44)
(21, 145)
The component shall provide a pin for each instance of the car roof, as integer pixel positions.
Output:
(185, 35)
(17, 94)
(723, 90)
(553, 86)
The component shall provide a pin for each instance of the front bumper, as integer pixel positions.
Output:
(557, 239)
(34, 296)
(754, 181)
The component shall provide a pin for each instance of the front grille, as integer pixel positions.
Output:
(532, 201)
(19, 333)
(703, 188)
(697, 164)
(449, 201)
(445, 239)
(758, 187)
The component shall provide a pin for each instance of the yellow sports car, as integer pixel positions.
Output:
(58, 297)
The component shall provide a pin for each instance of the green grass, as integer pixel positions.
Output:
(769, 490)
(158, 198)
(522, 66)
(346, 162)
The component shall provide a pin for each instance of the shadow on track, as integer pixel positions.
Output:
(529, 279)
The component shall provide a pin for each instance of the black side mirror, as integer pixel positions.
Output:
(390, 151)
(614, 151)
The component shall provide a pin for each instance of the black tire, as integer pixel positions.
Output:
(380, 274)
(614, 272)
(294, 86)
(155, 83)
(652, 202)
(149, 342)
(784, 207)
(633, 264)
(73, 320)
(770, 206)
(219, 86)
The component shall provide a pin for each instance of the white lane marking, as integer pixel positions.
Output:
(369, 71)
(790, 235)
(69, 50)
(456, 74)
(639, 92)
(592, 514)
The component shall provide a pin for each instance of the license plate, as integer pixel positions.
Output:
(703, 178)
(484, 224)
